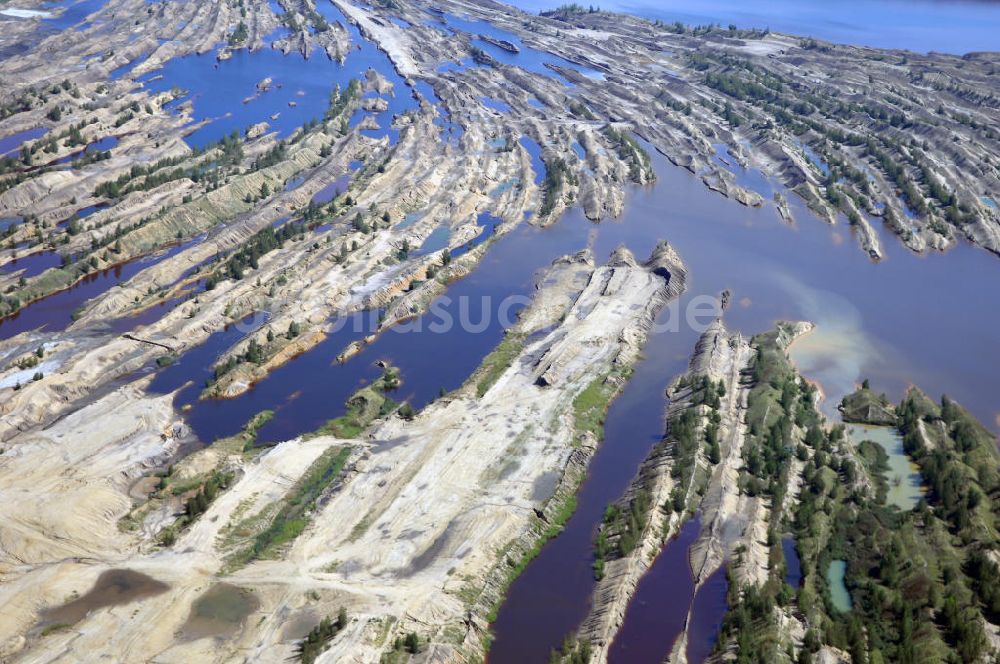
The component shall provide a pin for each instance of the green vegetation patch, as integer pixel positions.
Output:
(591, 405)
(319, 637)
(920, 582)
(202, 488)
(364, 407)
(498, 361)
(293, 516)
(867, 407)
(640, 167)
(557, 174)
(560, 515)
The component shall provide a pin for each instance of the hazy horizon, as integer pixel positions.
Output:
(948, 26)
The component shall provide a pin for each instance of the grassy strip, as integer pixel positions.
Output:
(498, 361)
(591, 405)
(589, 410)
(175, 481)
(291, 519)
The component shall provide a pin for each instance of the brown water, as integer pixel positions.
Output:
(220, 611)
(113, 588)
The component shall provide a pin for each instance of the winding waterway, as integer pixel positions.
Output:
(55, 312)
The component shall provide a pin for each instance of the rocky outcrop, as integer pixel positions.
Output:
(726, 511)
(867, 407)
(609, 282)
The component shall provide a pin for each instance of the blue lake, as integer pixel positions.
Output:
(73, 13)
(337, 187)
(527, 58)
(495, 104)
(815, 159)
(440, 236)
(101, 145)
(9, 222)
(33, 264)
(748, 178)
(436, 241)
(54, 313)
(535, 150)
(225, 92)
(775, 271)
(948, 26)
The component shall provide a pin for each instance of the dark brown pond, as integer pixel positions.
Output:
(113, 588)
(220, 611)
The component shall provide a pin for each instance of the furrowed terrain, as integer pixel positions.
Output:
(248, 413)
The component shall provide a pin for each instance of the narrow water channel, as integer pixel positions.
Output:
(707, 611)
(54, 313)
(431, 353)
(654, 620)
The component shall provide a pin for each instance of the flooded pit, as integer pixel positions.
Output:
(219, 612)
(113, 588)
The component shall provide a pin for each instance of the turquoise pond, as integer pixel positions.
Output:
(835, 573)
(905, 483)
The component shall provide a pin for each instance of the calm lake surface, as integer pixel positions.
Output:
(922, 25)
(905, 483)
(226, 93)
(839, 594)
